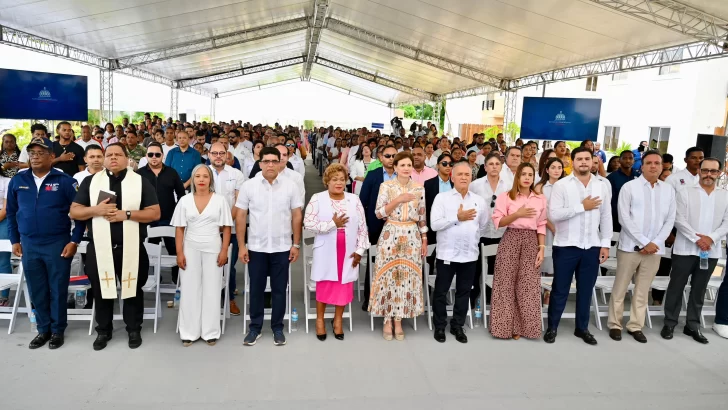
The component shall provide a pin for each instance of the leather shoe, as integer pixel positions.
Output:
(459, 334)
(135, 340)
(440, 335)
(667, 332)
(696, 335)
(615, 334)
(587, 337)
(365, 306)
(40, 340)
(549, 336)
(638, 336)
(101, 341)
(56, 341)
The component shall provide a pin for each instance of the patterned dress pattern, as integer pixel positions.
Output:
(397, 282)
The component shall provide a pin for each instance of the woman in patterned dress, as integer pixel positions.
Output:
(397, 285)
(337, 219)
(9, 157)
(517, 281)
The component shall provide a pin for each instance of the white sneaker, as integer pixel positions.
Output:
(721, 330)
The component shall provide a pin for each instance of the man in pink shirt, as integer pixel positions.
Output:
(421, 173)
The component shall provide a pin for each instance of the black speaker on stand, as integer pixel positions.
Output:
(712, 145)
(183, 117)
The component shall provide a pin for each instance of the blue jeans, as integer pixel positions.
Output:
(260, 266)
(5, 266)
(570, 261)
(48, 274)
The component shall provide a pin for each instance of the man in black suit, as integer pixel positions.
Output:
(368, 196)
(434, 186)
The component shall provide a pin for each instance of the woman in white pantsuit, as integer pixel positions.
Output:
(201, 254)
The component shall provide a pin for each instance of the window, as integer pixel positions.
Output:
(489, 103)
(611, 138)
(670, 69)
(659, 138)
(591, 83)
(619, 76)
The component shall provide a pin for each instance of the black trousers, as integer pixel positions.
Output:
(133, 310)
(463, 273)
(475, 292)
(685, 267)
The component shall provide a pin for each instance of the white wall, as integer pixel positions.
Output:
(463, 111)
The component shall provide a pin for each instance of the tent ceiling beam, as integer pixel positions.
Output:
(375, 79)
(675, 16)
(320, 8)
(272, 65)
(413, 53)
(350, 92)
(215, 42)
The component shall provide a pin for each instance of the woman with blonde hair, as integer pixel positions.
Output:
(200, 217)
(397, 284)
(337, 219)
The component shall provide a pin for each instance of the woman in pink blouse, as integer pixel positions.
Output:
(516, 297)
(337, 219)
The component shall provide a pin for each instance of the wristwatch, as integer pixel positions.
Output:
(297, 246)
(128, 215)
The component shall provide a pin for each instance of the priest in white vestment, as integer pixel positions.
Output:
(117, 226)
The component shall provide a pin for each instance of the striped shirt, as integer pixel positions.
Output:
(574, 225)
(647, 214)
(698, 212)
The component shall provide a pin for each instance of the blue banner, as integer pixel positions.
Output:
(560, 119)
(43, 96)
(378, 125)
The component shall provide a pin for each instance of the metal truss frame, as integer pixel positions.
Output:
(186, 83)
(213, 103)
(174, 104)
(673, 15)
(352, 93)
(106, 106)
(375, 78)
(510, 103)
(313, 36)
(413, 53)
(219, 41)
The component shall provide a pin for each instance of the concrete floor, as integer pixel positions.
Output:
(362, 372)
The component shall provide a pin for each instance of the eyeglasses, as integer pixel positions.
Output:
(447, 164)
(270, 162)
(217, 153)
(713, 172)
(36, 154)
(389, 155)
(492, 201)
(154, 154)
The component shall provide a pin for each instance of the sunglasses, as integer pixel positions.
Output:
(492, 201)
(154, 154)
(290, 145)
(389, 155)
(447, 164)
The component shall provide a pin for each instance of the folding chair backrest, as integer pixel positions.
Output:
(161, 232)
(6, 246)
(430, 250)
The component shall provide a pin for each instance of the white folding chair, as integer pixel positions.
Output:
(167, 261)
(546, 284)
(370, 271)
(267, 312)
(309, 288)
(10, 280)
(225, 310)
(154, 251)
(487, 280)
(430, 282)
(82, 314)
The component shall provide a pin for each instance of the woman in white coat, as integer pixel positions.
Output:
(337, 219)
(358, 167)
(201, 254)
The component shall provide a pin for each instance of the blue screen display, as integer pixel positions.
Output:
(43, 96)
(560, 119)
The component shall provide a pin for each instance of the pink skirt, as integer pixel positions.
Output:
(334, 292)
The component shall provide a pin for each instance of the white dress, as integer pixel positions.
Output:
(201, 282)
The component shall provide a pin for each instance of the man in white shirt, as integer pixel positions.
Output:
(444, 146)
(86, 139)
(647, 215)
(581, 241)
(513, 160)
(228, 183)
(488, 187)
(94, 158)
(458, 216)
(236, 147)
(169, 142)
(286, 172)
(271, 202)
(688, 177)
(702, 222)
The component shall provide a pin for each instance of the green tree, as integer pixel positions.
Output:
(512, 130)
(21, 130)
(441, 125)
(308, 124)
(94, 117)
(418, 111)
(491, 132)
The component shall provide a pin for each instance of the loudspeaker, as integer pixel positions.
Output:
(183, 117)
(712, 145)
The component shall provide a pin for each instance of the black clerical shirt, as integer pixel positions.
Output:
(149, 198)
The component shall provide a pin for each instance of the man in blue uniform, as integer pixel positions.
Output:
(40, 231)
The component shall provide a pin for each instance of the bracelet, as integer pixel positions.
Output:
(541, 246)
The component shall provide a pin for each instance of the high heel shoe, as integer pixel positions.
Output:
(337, 336)
(398, 336)
(321, 337)
(387, 335)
